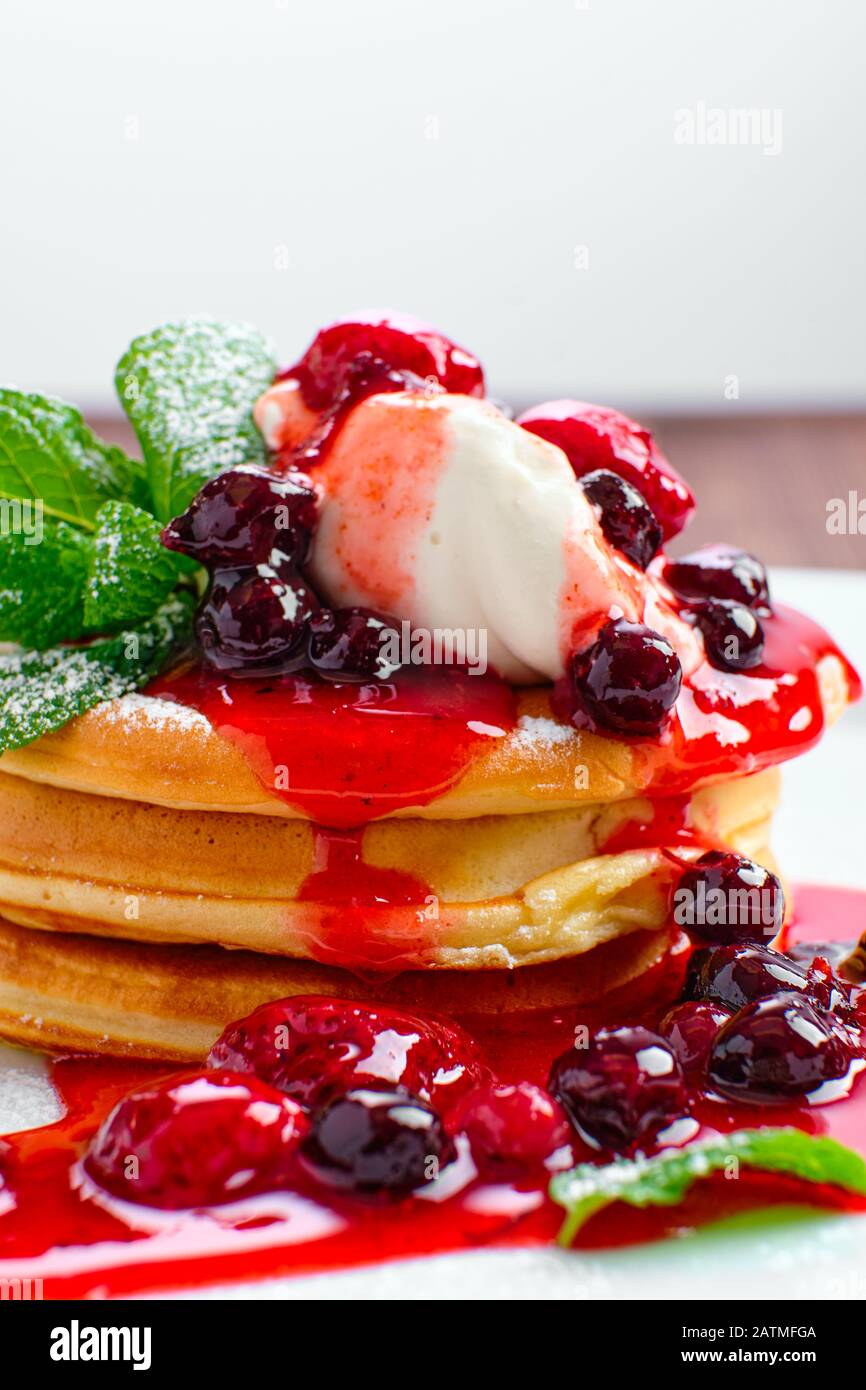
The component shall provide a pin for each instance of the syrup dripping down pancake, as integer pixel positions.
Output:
(491, 892)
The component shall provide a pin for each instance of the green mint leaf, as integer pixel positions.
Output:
(188, 389)
(130, 571)
(42, 691)
(50, 458)
(41, 585)
(665, 1179)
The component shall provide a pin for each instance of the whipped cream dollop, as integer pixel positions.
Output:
(438, 509)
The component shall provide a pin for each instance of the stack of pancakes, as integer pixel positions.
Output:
(136, 845)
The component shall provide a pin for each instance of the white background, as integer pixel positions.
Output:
(165, 157)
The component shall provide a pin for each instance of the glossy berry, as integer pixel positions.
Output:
(377, 1143)
(735, 975)
(725, 897)
(195, 1140)
(352, 644)
(691, 1030)
(247, 516)
(828, 992)
(314, 1047)
(733, 637)
(396, 341)
(622, 1090)
(624, 516)
(720, 572)
(593, 437)
(628, 681)
(255, 621)
(512, 1129)
(777, 1050)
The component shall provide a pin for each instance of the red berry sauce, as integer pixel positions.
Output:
(347, 753)
(80, 1242)
(727, 723)
(364, 909)
(366, 356)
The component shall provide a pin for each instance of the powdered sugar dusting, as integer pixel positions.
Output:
(24, 695)
(42, 691)
(157, 713)
(538, 732)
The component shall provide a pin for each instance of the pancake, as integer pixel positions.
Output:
(140, 748)
(145, 749)
(475, 894)
(71, 993)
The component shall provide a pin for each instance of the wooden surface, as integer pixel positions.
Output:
(762, 482)
(765, 482)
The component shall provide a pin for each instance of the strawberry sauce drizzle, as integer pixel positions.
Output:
(345, 754)
(730, 723)
(744, 721)
(345, 888)
(363, 380)
(666, 824)
(83, 1246)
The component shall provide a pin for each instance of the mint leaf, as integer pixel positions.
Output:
(50, 457)
(188, 389)
(41, 585)
(666, 1178)
(130, 571)
(42, 691)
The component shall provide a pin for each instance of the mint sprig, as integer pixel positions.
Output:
(42, 691)
(42, 584)
(189, 389)
(129, 571)
(73, 583)
(664, 1179)
(81, 560)
(50, 457)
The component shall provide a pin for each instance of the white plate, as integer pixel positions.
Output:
(819, 838)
